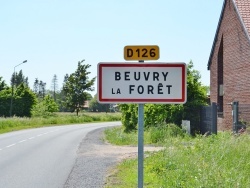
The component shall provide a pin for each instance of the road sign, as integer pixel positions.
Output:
(142, 83)
(148, 52)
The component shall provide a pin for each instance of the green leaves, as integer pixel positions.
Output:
(75, 87)
(45, 108)
(2, 84)
(129, 116)
(24, 100)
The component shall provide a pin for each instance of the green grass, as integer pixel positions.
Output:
(117, 136)
(16, 123)
(154, 135)
(215, 161)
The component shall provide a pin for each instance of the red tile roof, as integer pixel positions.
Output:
(244, 10)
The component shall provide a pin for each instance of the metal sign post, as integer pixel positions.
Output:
(140, 143)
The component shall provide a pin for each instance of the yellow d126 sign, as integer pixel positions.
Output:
(149, 52)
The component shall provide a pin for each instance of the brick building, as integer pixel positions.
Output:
(229, 61)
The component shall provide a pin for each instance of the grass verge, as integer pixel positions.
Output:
(16, 123)
(215, 161)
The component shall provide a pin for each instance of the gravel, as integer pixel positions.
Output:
(91, 165)
(95, 158)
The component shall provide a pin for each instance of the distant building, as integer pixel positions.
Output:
(86, 105)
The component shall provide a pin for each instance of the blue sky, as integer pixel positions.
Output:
(53, 35)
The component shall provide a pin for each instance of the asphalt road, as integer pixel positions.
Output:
(42, 157)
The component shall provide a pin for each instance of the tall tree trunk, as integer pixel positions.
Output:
(77, 111)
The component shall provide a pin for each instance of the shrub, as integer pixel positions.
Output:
(129, 116)
(45, 108)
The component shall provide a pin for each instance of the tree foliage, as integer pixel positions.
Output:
(5, 96)
(129, 116)
(39, 88)
(45, 108)
(54, 86)
(19, 78)
(2, 84)
(156, 114)
(76, 85)
(23, 101)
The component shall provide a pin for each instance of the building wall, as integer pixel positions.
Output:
(236, 65)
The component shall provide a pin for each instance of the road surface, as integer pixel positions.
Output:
(42, 157)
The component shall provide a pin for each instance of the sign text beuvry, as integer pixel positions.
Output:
(144, 76)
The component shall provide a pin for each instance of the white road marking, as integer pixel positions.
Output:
(22, 141)
(10, 145)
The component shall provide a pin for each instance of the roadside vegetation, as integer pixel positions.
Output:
(201, 161)
(22, 106)
(154, 135)
(17, 123)
(187, 161)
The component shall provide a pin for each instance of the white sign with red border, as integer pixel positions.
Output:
(142, 83)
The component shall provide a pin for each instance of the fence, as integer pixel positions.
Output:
(241, 116)
(208, 119)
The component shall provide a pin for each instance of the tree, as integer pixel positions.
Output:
(76, 85)
(54, 86)
(18, 78)
(24, 100)
(61, 98)
(42, 89)
(39, 88)
(36, 86)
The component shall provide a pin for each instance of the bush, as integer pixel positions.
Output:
(129, 116)
(154, 114)
(45, 108)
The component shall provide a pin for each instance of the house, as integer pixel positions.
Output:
(229, 61)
